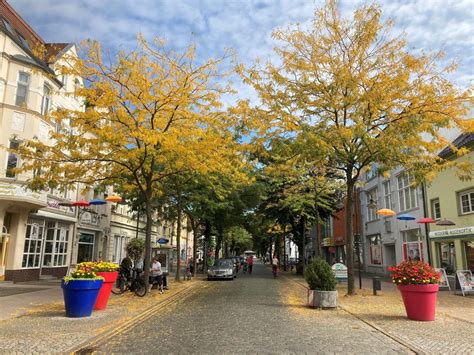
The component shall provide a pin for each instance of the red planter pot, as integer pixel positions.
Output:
(104, 293)
(420, 301)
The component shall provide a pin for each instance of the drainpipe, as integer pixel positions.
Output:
(427, 230)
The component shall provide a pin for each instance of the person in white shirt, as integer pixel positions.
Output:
(156, 275)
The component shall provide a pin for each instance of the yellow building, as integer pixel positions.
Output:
(451, 199)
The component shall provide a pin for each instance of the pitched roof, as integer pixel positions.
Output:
(461, 141)
(53, 50)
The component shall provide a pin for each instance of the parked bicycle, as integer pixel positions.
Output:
(133, 283)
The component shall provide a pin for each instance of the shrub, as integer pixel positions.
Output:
(320, 276)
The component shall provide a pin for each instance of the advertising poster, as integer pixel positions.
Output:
(465, 280)
(376, 254)
(444, 278)
(412, 251)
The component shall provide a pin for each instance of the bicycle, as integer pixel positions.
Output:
(135, 283)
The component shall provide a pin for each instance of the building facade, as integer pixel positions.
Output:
(450, 198)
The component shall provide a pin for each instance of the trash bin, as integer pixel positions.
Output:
(376, 284)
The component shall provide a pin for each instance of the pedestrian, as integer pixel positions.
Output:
(250, 263)
(126, 267)
(156, 275)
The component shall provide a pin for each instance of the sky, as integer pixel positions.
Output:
(245, 25)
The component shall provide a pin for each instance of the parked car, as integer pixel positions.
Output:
(222, 269)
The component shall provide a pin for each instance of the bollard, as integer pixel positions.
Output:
(376, 284)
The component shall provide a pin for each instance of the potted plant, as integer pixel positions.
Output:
(109, 273)
(322, 284)
(80, 290)
(418, 283)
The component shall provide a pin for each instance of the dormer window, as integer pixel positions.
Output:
(23, 41)
(8, 26)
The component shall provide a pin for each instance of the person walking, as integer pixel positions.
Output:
(156, 275)
(275, 266)
(250, 263)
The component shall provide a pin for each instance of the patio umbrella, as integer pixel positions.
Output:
(113, 198)
(406, 217)
(425, 220)
(98, 201)
(386, 212)
(66, 204)
(445, 222)
(81, 203)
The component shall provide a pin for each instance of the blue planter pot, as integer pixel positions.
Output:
(80, 296)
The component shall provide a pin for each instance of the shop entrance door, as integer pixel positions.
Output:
(85, 250)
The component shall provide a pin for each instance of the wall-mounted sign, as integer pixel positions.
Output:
(452, 232)
(162, 241)
(328, 242)
(86, 217)
(340, 271)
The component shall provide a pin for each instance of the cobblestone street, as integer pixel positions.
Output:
(252, 314)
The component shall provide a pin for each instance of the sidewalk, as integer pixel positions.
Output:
(35, 321)
(450, 333)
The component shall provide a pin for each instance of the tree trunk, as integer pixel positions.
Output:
(195, 239)
(349, 235)
(178, 236)
(303, 238)
(149, 223)
(319, 242)
(207, 240)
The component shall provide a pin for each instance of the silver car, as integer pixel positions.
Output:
(222, 269)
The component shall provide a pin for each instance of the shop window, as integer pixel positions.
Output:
(85, 250)
(33, 243)
(412, 245)
(467, 202)
(406, 192)
(387, 195)
(56, 242)
(447, 255)
(22, 88)
(436, 209)
(375, 249)
(470, 255)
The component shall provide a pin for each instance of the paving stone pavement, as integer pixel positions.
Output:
(252, 314)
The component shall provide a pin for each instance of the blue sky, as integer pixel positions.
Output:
(244, 25)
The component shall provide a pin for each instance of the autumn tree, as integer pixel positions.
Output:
(152, 113)
(366, 98)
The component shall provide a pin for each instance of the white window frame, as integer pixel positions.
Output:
(435, 212)
(407, 192)
(10, 154)
(46, 100)
(371, 212)
(59, 244)
(470, 201)
(33, 244)
(26, 85)
(387, 195)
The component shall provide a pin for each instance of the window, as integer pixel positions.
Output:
(371, 200)
(467, 202)
(371, 173)
(46, 103)
(56, 242)
(435, 209)
(64, 80)
(77, 86)
(23, 41)
(375, 249)
(406, 192)
(22, 88)
(33, 243)
(85, 250)
(387, 196)
(8, 26)
(12, 160)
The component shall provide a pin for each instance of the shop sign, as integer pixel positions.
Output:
(443, 282)
(452, 232)
(86, 217)
(465, 281)
(340, 271)
(328, 242)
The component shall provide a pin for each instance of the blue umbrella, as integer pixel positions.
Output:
(98, 201)
(406, 217)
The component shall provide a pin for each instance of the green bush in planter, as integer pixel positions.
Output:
(319, 276)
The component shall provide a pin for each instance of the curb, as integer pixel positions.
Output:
(372, 325)
(90, 346)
